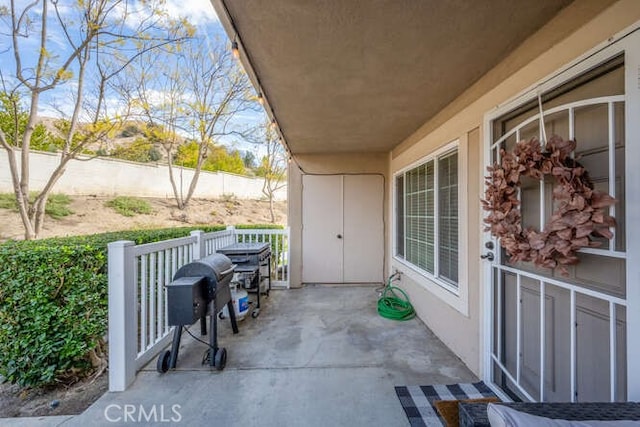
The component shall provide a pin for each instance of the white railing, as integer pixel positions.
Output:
(138, 327)
(211, 242)
(280, 251)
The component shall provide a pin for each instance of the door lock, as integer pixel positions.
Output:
(488, 256)
(489, 245)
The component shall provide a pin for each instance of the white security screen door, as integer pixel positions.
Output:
(564, 338)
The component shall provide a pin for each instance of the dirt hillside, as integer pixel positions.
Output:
(90, 215)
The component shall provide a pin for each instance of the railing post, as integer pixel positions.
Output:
(233, 230)
(199, 247)
(123, 325)
(285, 265)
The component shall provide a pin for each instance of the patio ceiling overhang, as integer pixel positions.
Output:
(363, 75)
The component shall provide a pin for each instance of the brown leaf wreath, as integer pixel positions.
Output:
(580, 214)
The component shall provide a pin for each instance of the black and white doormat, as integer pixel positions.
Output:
(418, 401)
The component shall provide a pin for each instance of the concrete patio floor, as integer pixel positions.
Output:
(315, 356)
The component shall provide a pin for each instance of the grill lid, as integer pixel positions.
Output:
(215, 267)
(245, 248)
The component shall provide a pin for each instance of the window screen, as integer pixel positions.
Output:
(400, 219)
(448, 217)
(427, 217)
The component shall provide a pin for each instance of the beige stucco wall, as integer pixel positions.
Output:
(544, 54)
(350, 163)
(578, 29)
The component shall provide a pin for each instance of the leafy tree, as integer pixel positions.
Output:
(101, 38)
(249, 160)
(187, 155)
(198, 90)
(218, 158)
(13, 121)
(141, 150)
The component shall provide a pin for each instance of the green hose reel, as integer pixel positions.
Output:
(394, 304)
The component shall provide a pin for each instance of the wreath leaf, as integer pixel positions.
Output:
(580, 215)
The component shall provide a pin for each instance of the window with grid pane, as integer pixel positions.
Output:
(426, 231)
(400, 215)
(419, 217)
(448, 217)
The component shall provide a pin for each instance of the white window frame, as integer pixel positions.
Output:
(455, 296)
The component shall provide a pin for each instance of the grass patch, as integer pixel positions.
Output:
(57, 204)
(8, 201)
(129, 206)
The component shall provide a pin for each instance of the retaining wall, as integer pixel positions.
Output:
(107, 177)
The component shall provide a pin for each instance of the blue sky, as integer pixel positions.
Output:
(58, 102)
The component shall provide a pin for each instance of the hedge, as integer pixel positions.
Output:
(53, 303)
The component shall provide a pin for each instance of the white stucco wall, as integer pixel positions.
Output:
(107, 177)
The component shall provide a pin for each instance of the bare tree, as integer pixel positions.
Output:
(155, 92)
(197, 91)
(91, 35)
(273, 166)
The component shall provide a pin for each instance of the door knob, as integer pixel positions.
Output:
(488, 256)
(339, 236)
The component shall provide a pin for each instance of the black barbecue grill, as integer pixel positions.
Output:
(198, 289)
(251, 259)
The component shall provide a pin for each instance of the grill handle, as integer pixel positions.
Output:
(229, 270)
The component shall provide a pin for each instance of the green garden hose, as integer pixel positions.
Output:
(394, 304)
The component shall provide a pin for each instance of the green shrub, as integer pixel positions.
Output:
(53, 303)
(57, 204)
(130, 130)
(129, 206)
(51, 297)
(155, 154)
(259, 227)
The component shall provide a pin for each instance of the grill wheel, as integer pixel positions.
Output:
(162, 365)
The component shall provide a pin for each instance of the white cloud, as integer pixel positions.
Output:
(197, 12)
(160, 98)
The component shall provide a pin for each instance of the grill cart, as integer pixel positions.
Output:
(253, 266)
(198, 289)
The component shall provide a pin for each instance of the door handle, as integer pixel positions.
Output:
(339, 236)
(488, 256)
